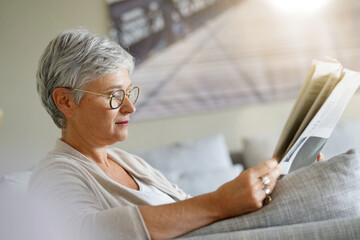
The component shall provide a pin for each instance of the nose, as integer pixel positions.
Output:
(127, 106)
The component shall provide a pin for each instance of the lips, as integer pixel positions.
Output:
(124, 123)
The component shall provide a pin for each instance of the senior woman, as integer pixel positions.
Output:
(84, 83)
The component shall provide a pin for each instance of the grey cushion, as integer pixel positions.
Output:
(319, 192)
(196, 166)
(335, 229)
(196, 183)
(205, 154)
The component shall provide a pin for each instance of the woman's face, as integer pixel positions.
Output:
(93, 119)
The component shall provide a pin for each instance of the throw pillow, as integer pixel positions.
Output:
(203, 154)
(257, 149)
(200, 182)
(318, 192)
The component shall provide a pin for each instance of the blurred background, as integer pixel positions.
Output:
(205, 55)
(204, 67)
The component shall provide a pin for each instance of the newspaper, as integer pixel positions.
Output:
(323, 97)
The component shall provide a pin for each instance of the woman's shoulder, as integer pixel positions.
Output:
(56, 160)
(55, 165)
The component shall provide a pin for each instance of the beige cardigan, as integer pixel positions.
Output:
(88, 202)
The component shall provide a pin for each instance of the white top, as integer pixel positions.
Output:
(153, 195)
(86, 200)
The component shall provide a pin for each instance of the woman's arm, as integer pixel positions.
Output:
(242, 195)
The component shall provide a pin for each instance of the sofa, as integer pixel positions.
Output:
(197, 166)
(317, 202)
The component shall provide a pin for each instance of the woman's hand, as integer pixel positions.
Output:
(246, 192)
(241, 195)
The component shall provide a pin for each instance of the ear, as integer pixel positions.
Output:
(64, 101)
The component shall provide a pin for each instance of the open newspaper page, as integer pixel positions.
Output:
(316, 105)
(319, 74)
(308, 145)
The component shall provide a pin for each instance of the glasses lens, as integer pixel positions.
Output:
(134, 94)
(117, 99)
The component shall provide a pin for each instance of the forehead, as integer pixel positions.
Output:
(119, 79)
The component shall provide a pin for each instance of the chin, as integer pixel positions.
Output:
(119, 135)
(122, 138)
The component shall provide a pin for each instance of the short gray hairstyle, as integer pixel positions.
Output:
(73, 59)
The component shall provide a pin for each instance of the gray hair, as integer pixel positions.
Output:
(73, 59)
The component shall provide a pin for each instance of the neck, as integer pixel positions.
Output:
(95, 152)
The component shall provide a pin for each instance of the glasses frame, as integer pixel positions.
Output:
(111, 96)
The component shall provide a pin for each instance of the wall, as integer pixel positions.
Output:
(27, 132)
(255, 120)
(26, 27)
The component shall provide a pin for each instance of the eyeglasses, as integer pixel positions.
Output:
(117, 97)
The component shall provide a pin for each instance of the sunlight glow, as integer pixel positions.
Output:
(299, 6)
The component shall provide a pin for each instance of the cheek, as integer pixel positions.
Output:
(105, 119)
(99, 118)
(95, 115)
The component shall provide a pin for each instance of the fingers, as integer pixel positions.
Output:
(268, 169)
(246, 193)
(320, 157)
(264, 177)
(267, 187)
(265, 167)
(274, 175)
